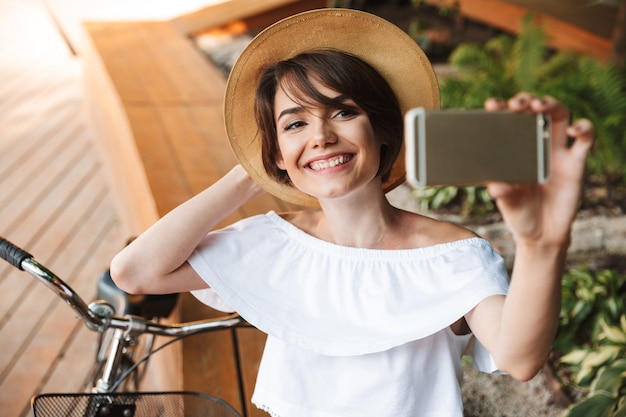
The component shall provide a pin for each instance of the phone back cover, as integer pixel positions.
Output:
(475, 147)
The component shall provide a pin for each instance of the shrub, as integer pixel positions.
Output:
(592, 336)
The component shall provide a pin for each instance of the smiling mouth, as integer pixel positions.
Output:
(330, 163)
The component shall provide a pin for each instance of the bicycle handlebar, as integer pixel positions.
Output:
(141, 325)
(13, 254)
(24, 261)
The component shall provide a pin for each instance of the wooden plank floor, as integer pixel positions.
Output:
(53, 202)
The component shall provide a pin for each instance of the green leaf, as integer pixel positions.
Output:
(574, 357)
(444, 196)
(596, 405)
(612, 305)
(601, 356)
(621, 408)
(613, 334)
(529, 51)
(578, 308)
(611, 379)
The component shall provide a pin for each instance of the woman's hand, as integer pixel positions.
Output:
(543, 213)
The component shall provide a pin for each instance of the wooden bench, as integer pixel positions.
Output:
(155, 104)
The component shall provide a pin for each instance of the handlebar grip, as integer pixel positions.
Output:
(13, 254)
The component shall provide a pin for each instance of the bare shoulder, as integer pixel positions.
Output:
(429, 231)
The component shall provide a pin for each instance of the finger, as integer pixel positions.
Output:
(559, 115)
(500, 190)
(520, 102)
(494, 104)
(557, 110)
(583, 133)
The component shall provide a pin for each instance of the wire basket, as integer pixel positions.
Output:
(131, 404)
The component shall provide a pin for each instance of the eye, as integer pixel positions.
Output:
(346, 113)
(296, 124)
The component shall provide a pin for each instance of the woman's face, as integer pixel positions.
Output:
(327, 152)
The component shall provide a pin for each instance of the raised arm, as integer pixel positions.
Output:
(155, 262)
(519, 329)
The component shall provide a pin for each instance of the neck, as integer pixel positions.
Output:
(366, 223)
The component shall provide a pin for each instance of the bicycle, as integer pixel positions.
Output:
(125, 344)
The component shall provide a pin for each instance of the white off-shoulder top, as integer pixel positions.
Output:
(351, 331)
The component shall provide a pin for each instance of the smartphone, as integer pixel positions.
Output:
(473, 147)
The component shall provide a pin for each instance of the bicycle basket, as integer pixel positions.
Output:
(131, 404)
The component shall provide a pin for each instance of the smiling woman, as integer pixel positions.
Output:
(368, 308)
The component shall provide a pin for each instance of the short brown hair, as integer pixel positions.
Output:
(348, 75)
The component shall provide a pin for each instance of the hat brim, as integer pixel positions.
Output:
(394, 54)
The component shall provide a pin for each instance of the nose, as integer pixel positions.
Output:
(323, 133)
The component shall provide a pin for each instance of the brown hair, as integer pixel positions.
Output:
(349, 76)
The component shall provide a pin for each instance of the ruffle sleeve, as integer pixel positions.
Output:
(337, 300)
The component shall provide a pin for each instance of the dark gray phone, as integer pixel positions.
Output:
(473, 147)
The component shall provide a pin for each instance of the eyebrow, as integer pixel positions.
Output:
(290, 110)
(342, 98)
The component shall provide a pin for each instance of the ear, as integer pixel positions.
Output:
(280, 163)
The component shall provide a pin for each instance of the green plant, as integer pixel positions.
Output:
(602, 368)
(472, 200)
(602, 99)
(591, 89)
(499, 68)
(592, 334)
(589, 298)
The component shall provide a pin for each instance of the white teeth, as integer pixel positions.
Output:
(319, 165)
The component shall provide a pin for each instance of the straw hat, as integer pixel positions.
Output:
(388, 49)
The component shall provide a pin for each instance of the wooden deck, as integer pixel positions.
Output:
(53, 202)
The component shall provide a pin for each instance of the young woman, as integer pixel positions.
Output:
(368, 308)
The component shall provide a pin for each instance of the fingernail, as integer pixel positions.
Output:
(577, 127)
